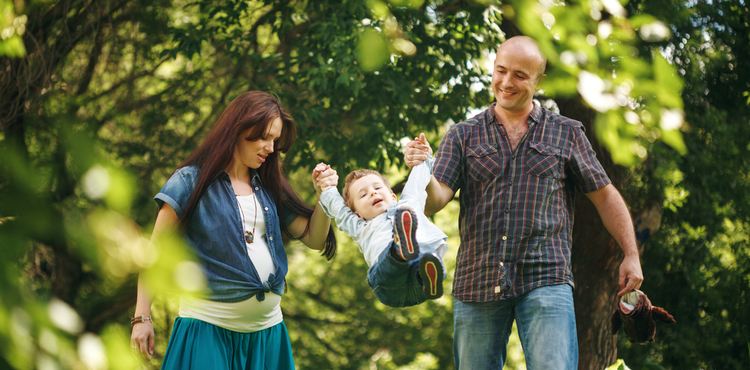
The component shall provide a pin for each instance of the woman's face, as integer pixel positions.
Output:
(252, 153)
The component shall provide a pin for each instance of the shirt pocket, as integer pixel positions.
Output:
(484, 162)
(544, 160)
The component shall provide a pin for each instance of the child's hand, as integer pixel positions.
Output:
(323, 177)
(417, 151)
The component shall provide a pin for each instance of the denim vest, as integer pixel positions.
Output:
(215, 231)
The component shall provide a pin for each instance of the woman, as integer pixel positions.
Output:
(231, 200)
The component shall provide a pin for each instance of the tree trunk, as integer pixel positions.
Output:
(596, 258)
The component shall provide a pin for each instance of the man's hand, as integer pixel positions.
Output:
(417, 151)
(323, 177)
(631, 276)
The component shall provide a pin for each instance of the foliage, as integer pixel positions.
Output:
(594, 47)
(12, 27)
(697, 265)
(618, 365)
(113, 94)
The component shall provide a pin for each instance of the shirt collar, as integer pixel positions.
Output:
(535, 116)
(254, 175)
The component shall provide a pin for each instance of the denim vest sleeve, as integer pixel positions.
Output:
(177, 190)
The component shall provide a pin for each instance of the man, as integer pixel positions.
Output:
(518, 167)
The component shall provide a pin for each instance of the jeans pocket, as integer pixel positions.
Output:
(544, 161)
(484, 162)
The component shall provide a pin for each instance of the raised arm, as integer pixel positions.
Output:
(323, 176)
(142, 336)
(438, 194)
(616, 218)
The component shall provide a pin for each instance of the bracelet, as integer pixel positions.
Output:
(138, 319)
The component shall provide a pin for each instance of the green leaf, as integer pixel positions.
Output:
(674, 139)
(669, 93)
(618, 365)
(372, 50)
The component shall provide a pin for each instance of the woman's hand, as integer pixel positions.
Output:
(142, 339)
(323, 177)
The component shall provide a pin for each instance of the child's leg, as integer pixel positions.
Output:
(425, 279)
(395, 282)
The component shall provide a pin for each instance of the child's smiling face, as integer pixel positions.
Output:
(370, 196)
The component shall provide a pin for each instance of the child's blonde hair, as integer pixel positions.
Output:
(356, 175)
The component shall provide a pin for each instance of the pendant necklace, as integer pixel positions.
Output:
(249, 235)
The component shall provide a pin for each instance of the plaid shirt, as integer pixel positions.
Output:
(516, 206)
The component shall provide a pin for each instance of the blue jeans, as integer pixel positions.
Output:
(546, 323)
(397, 283)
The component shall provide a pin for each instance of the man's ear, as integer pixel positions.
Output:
(539, 82)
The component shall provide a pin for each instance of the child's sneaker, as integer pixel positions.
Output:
(405, 234)
(431, 272)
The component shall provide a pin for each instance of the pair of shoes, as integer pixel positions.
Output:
(405, 234)
(431, 272)
(406, 247)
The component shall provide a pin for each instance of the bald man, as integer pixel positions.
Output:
(519, 167)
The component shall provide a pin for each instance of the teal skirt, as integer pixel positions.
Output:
(196, 344)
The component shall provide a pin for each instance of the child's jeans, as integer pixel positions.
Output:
(396, 283)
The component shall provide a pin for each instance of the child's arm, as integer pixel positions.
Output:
(414, 192)
(335, 207)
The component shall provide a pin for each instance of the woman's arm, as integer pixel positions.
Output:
(142, 337)
(320, 224)
(323, 176)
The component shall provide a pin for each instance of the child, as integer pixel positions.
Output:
(402, 247)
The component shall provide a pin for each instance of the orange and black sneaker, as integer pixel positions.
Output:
(405, 234)
(431, 272)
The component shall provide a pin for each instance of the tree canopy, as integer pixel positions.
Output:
(101, 100)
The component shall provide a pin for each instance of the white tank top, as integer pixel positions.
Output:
(258, 250)
(249, 315)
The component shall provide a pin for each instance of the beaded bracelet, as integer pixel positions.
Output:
(138, 319)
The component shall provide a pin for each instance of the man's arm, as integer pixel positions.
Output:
(616, 218)
(438, 196)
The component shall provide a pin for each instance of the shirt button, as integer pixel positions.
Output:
(497, 289)
(256, 188)
(266, 208)
(507, 210)
(505, 237)
(501, 263)
(270, 237)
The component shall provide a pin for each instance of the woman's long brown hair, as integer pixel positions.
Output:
(251, 110)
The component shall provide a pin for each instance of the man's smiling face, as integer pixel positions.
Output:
(370, 196)
(514, 80)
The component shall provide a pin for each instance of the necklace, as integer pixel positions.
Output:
(249, 235)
